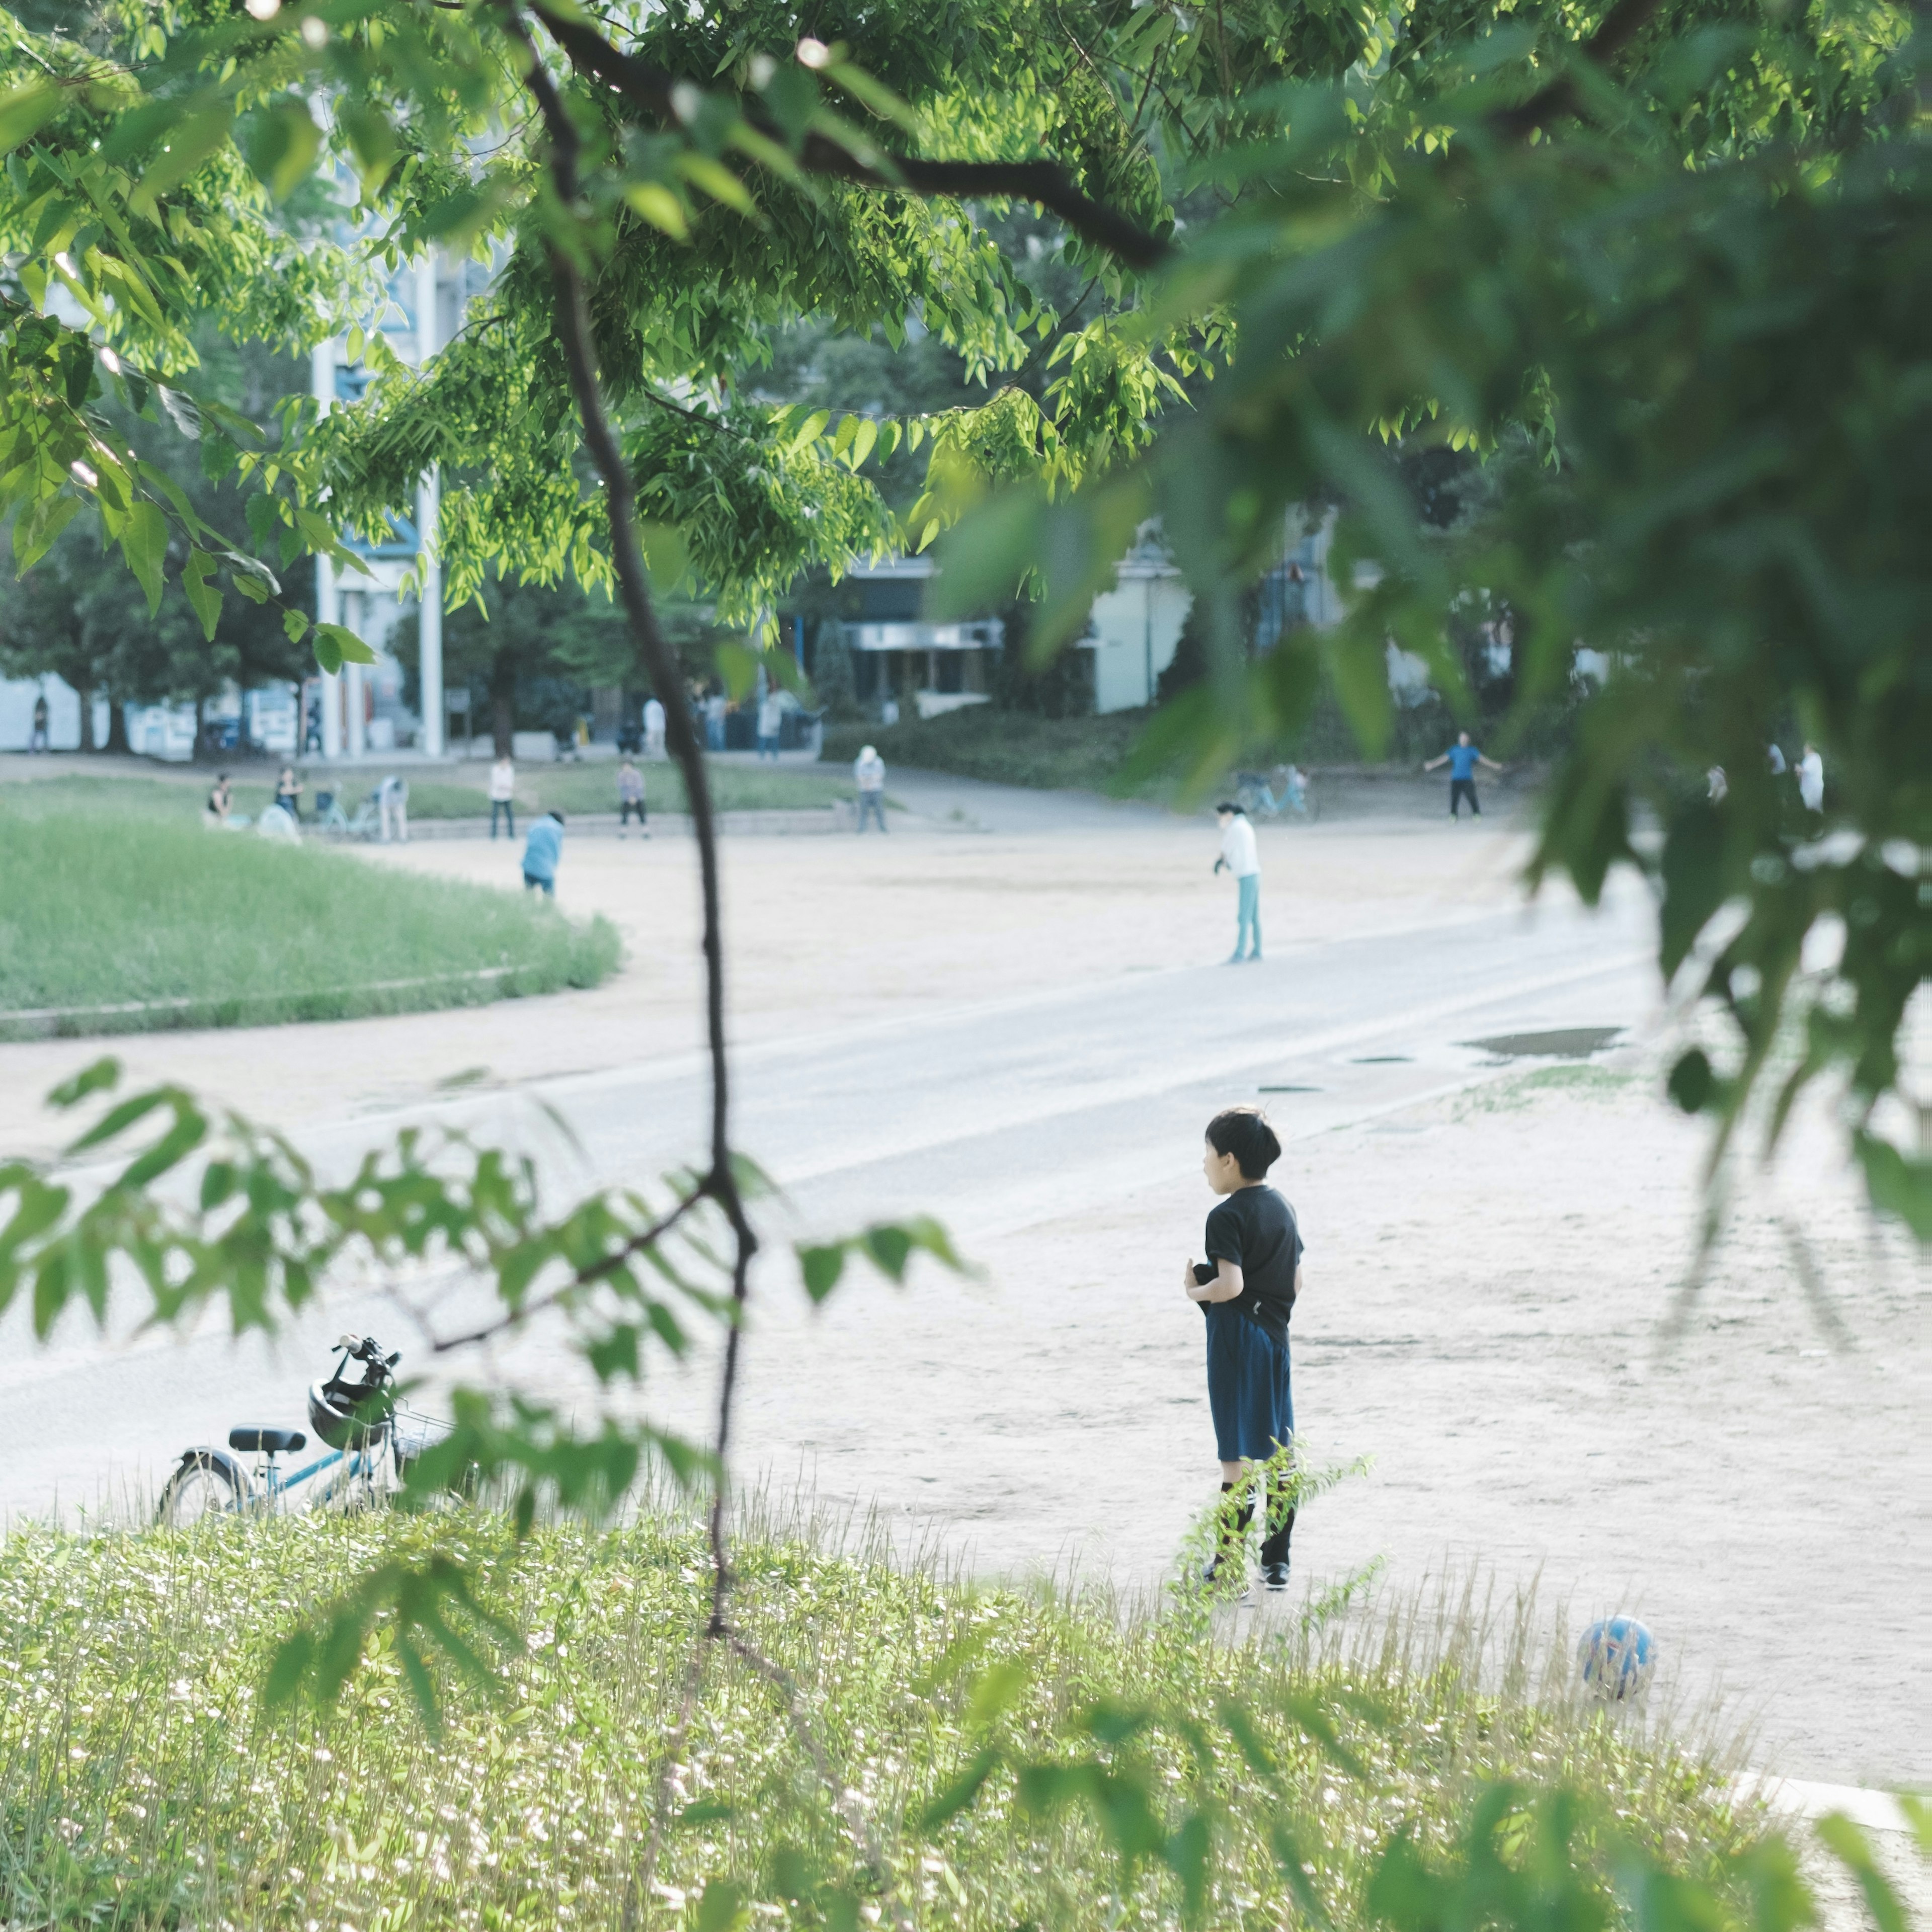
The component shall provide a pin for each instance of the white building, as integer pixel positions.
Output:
(1132, 629)
(361, 709)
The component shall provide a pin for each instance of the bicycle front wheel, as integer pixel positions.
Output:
(204, 1485)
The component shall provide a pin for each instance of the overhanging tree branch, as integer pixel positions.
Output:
(1620, 26)
(1045, 182)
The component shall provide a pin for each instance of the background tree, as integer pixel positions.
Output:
(77, 615)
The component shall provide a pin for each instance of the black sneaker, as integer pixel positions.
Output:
(1275, 1575)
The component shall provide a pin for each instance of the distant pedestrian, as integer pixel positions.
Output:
(37, 741)
(654, 728)
(1811, 781)
(1463, 758)
(630, 798)
(1246, 1288)
(288, 793)
(503, 795)
(868, 772)
(888, 712)
(392, 808)
(771, 720)
(714, 708)
(1774, 762)
(1239, 856)
(220, 801)
(1717, 787)
(542, 849)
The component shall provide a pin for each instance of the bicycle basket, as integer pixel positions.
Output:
(348, 1415)
(413, 1434)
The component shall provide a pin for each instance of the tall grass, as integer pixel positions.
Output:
(142, 1783)
(103, 906)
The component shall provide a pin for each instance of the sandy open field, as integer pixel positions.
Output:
(1494, 1247)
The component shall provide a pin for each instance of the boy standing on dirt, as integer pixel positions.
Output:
(1463, 758)
(1247, 1289)
(630, 798)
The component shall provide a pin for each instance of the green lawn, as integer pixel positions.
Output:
(115, 893)
(1004, 747)
(142, 1785)
(459, 791)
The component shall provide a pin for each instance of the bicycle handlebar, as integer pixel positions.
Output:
(366, 1349)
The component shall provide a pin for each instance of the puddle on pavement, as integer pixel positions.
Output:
(1559, 1043)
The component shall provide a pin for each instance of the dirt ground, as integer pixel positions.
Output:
(822, 931)
(1491, 1270)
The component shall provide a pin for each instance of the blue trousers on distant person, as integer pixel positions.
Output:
(1248, 917)
(508, 808)
(875, 803)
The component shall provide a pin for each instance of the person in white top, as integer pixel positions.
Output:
(503, 795)
(392, 803)
(1239, 855)
(1811, 779)
(868, 770)
(771, 720)
(654, 728)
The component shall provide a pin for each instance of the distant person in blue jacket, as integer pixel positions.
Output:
(1463, 758)
(542, 848)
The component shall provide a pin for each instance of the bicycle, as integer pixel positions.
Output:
(370, 1443)
(1258, 798)
(330, 817)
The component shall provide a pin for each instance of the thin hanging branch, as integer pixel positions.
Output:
(653, 90)
(573, 327)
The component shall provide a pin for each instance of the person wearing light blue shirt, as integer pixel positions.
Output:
(542, 848)
(1463, 758)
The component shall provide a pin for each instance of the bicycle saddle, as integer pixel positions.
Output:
(271, 1441)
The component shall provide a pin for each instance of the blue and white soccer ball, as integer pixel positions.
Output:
(1617, 1658)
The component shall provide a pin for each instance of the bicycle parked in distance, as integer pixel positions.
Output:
(330, 817)
(1282, 792)
(370, 1443)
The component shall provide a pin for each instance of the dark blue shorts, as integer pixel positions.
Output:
(1247, 1387)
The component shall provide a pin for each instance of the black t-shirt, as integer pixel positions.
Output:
(1254, 1228)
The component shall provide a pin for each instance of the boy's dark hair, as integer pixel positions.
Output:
(1225, 805)
(1244, 1132)
(556, 814)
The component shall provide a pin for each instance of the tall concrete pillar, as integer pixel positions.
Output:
(327, 593)
(428, 493)
(329, 611)
(355, 684)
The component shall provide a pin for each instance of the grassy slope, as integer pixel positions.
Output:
(1086, 754)
(1002, 747)
(141, 1786)
(104, 904)
(458, 791)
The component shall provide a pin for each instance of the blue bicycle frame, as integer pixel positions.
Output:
(361, 1462)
